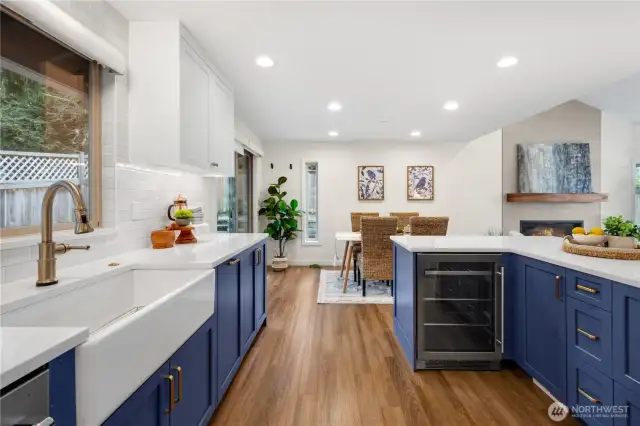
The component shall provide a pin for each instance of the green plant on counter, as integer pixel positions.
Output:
(282, 217)
(617, 226)
(183, 214)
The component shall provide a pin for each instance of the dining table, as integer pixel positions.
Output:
(350, 239)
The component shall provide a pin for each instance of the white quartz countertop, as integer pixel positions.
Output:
(210, 251)
(23, 349)
(547, 249)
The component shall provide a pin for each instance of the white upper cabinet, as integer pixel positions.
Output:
(180, 108)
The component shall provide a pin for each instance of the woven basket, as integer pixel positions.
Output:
(570, 246)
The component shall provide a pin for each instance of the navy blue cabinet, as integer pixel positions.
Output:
(228, 313)
(186, 390)
(247, 308)
(150, 405)
(629, 403)
(543, 336)
(194, 386)
(260, 272)
(626, 337)
(511, 295)
(589, 335)
(591, 390)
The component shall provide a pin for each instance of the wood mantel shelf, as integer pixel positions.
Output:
(556, 198)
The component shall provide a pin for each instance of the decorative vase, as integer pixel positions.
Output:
(279, 263)
(183, 222)
(622, 242)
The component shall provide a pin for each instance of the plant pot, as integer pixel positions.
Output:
(279, 263)
(622, 242)
(183, 222)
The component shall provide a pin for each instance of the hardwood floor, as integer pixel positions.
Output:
(340, 365)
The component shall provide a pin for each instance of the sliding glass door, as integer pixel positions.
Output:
(244, 192)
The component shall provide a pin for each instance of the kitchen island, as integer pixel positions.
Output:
(570, 322)
(123, 334)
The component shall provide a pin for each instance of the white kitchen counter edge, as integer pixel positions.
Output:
(25, 349)
(546, 249)
(210, 252)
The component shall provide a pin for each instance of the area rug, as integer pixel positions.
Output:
(330, 290)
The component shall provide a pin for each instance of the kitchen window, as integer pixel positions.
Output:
(310, 200)
(50, 127)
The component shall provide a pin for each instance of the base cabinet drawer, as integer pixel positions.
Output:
(623, 397)
(589, 394)
(589, 335)
(590, 289)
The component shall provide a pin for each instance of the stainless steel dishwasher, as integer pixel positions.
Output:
(26, 401)
(460, 311)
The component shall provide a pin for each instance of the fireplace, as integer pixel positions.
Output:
(549, 228)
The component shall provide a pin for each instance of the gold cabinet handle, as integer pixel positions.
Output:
(589, 397)
(178, 369)
(558, 287)
(587, 289)
(234, 261)
(589, 335)
(171, 395)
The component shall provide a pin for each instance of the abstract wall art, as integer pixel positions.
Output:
(556, 168)
(420, 182)
(370, 183)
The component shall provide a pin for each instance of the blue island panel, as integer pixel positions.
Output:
(404, 301)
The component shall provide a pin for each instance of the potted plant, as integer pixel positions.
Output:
(622, 233)
(183, 217)
(282, 220)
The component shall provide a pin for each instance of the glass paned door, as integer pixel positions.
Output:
(244, 192)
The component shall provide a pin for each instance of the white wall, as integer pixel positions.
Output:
(618, 167)
(468, 184)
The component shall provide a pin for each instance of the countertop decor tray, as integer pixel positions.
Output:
(570, 246)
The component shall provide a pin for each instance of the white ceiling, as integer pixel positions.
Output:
(401, 61)
(622, 98)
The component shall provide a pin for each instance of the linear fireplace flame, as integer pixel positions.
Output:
(548, 228)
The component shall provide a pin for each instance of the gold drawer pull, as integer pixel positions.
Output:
(589, 397)
(179, 371)
(589, 335)
(234, 261)
(171, 395)
(587, 289)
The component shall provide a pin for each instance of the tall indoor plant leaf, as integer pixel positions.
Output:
(282, 222)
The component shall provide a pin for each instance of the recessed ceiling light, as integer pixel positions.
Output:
(451, 105)
(333, 134)
(334, 106)
(507, 61)
(264, 61)
(415, 133)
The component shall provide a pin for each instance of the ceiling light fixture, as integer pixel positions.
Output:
(507, 61)
(333, 134)
(451, 105)
(334, 106)
(264, 61)
(415, 133)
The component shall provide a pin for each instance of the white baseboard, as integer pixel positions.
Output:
(303, 262)
(543, 389)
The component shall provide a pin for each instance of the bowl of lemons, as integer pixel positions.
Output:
(595, 237)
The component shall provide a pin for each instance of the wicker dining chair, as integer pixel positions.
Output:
(355, 227)
(429, 225)
(376, 261)
(403, 218)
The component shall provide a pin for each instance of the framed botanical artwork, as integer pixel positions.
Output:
(420, 182)
(370, 183)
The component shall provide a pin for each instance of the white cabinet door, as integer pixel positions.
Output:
(195, 108)
(221, 148)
